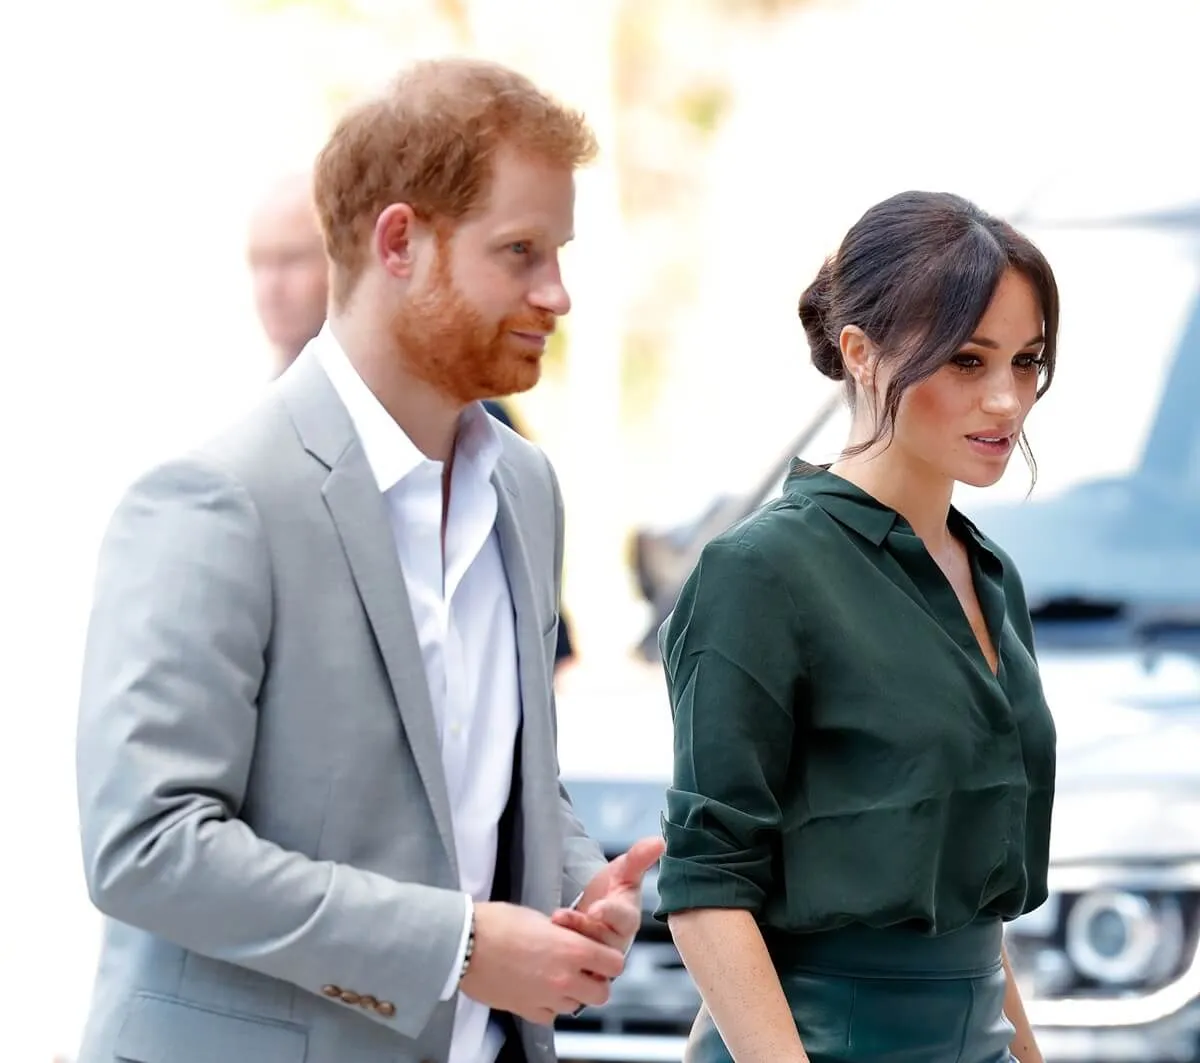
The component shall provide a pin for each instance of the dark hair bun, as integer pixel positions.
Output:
(814, 316)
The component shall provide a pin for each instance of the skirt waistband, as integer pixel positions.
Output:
(859, 951)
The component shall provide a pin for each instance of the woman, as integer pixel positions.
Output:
(864, 761)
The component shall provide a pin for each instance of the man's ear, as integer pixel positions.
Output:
(392, 239)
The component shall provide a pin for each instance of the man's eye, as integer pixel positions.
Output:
(519, 247)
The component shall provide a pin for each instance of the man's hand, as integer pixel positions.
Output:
(610, 910)
(526, 965)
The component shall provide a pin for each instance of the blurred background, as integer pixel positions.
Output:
(740, 140)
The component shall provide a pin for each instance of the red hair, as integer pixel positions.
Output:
(429, 141)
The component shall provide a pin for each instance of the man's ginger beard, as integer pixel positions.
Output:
(446, 343)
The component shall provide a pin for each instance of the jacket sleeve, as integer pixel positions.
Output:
(175, 655)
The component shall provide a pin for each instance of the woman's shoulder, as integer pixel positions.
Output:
(742, 594)
(787, 534)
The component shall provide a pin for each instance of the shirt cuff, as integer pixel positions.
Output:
(456, 970)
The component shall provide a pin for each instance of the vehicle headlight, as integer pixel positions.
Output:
(1119, 938)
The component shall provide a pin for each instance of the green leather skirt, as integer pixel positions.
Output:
(887, 996)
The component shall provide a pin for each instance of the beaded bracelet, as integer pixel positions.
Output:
(470, 948)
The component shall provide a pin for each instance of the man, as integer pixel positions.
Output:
(288, 267)
(317, 778)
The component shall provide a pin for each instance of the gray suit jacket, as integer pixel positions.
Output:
(264, 813)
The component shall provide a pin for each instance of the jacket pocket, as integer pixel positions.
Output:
(163, 1030)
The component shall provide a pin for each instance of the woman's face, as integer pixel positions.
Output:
(965, 421)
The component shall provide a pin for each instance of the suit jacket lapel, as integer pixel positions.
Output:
(536, 842)
(360, 515)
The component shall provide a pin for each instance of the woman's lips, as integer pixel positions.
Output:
(992, 444)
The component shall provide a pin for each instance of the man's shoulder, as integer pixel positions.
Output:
(526, 462)
(245, 455)
(258, 440)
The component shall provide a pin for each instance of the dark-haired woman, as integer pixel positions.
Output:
(864, 761)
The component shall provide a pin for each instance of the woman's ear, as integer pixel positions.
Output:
(859, 356)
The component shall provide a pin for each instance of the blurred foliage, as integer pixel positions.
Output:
(765, 9)
(643, 372)
(705, 105)
(554, 361)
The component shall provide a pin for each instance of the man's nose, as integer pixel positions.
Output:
(550, 294)
(552, 298)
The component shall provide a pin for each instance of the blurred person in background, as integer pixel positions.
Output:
(864, 758)
(288, 268)
(318, 787)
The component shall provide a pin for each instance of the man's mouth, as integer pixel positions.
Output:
(533, 339)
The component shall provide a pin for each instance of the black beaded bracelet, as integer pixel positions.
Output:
(470, 948)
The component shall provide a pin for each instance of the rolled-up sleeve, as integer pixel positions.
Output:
(733, 659)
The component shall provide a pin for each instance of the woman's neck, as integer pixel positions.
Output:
(919, 494)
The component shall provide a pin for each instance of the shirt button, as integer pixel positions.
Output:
(456, 730)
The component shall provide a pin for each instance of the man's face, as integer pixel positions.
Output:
(475, 319)
(289, 272)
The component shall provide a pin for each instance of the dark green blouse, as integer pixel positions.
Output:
(843, 752)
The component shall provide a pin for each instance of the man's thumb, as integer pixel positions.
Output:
(640, 857)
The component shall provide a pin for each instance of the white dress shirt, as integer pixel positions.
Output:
(464, 619)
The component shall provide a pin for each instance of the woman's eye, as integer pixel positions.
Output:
(1029, 362)
(966, 362)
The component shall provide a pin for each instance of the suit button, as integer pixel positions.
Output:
(368, 1001)
(332, 990)
(386, 1008)
(349, 997)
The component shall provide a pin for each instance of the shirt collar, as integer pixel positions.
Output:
(853, 507)
(842, 500)
(390, 453)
